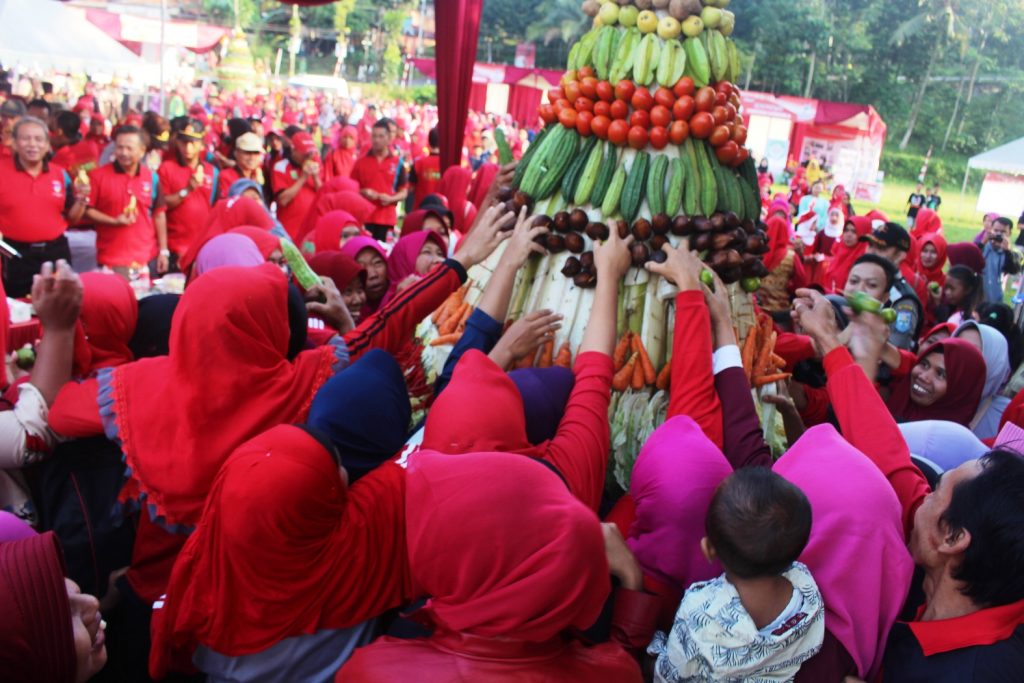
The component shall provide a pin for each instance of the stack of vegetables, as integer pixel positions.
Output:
(644, 136)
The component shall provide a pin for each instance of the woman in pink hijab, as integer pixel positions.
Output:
(412, 257)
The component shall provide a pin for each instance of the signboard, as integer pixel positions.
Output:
(1002, 194)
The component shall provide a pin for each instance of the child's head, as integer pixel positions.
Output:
(757, 524)
(962, 289)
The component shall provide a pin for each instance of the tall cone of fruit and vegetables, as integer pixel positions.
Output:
(644, 136)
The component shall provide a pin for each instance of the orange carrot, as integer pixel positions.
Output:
(621, 380)
(768, 379)
(664, 377)
(564, 357)
(444, 312)
(547, 354)
(525, 362)
(461, 325)
(778, 361)
(650, 376)
(453, 320)
(637, 381)
(445, 339)
(764, 356)
(749, 350)
(621, 349)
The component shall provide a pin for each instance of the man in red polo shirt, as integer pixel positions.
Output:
(189, 187)
(37, 202)
(75, 152)
(295, 181)
(248, 156)
(382, 180)
(426, 172)
(127, 207)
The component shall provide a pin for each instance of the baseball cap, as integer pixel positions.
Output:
(188, 127)
(303, 142)
(889, 235)
(249, 142)
(439, 205)
(12, 108)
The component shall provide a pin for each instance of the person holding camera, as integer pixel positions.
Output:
(1000, 259)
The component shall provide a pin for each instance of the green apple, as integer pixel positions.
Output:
(693, 26)
(728, 23)
(609, 14)
(628, 15)
(669, 28)
(711, 16)
(647, 21)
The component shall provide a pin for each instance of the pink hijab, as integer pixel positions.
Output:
(857, 552)
(352, 249)
(673, 481)
(402, 262)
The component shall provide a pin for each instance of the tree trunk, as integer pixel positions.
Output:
(750, 69)
(974, 80)
(810, 75)
(956, 110)
(918, 101)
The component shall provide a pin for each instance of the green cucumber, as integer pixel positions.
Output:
(588, 179)
(504, 151)
(614, 193)
(708, 184)
(539, 164)
(304, 275)
(605, 175)
(575, 171)
(556, 163)
(633, 192)
(531, 151)
(656, 185)
(676, 178)
(692, 180)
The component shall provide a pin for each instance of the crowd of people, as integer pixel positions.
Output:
(230, 483)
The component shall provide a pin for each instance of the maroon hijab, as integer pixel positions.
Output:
(965, 376)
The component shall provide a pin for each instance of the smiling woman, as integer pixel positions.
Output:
(945, 384)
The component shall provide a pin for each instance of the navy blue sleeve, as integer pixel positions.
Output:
(482, 332)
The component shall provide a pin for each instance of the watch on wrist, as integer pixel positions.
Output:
(183, 192)
(165, 252)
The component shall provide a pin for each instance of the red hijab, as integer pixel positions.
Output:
(327, 232)
(225, 380)
(778, 241)
(927, 222)
(402, 261)
(227, 214)
(265, 241)
(341, 268)
(482, 180)
(352, 202)
(339, 184)
(965, 377)
(279, 505)
(843, 257)
(413, 222)
(454, 186)
(933, 274)
(107, 322)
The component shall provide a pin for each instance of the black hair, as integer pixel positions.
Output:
(991, 507)
(40, 102)
(69, 123)
(298, 321)
(434, 139)
(236, 129)
(132, 130)
(1000, 316)
(1003, 220)
(384, 123)
(885, 264)
(758, 523)
(292, 130)
(972, 281)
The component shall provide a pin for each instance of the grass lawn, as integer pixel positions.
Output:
(960, 221)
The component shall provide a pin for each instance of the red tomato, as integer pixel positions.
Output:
(642, 99)
(739, 135)
(724, 86)
(602, 108)
(567, 117)
(683, 109)
(705, 99)
(547, 113)
(719, 136)
(735, 101)
(743, 155)
(730, 112)
(661, 116)
(562, 104)
(624, 90)
(659, 137)
(605, 91)
(600, 126)
(701, 125)
(585, 72)
(555, 94)
(588, 87)
(664, 97)
(720, 99)
(572, 90)
(584, 104)
(583, 123)
(678, 132)
(727, 152)
(618, 132)
(684, 87)
(619, 109)
(637, 137)
(640, 118)
(719, 114)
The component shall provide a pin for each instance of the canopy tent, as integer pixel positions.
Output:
(134, 31)
(45, 35)
(1002, 191)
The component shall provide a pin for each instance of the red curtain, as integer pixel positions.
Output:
(458, 27)
(478, 97)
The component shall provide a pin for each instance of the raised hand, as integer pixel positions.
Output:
(681, 267)
(488, 231)
(525, 336)
(57, 298)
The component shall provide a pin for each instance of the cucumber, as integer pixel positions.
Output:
(588, 179)
(575, 171)
(656, 185)
(708, 185)
(531, 151)
(540, 165)
(633, 192)
(605, 175)
(692, 187)
(676, 178)
(614, 193)
(504, 151)
(556, 163)
(304, 275)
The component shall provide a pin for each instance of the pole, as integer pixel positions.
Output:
(423, 20)
(163, 22)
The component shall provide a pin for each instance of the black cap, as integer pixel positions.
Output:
(188, 127)
(889, 235)
(12, 108)
(438, 205)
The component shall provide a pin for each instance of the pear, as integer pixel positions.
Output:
(628, 15)
(711, 16)
(647, 21)
(609, 14)
(669, 28)
(693, 26)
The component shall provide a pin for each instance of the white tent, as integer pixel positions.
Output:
(45, 35)
(1008, 158)
(1003, 188)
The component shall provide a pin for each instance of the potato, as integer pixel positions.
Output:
(591, 8)
(643, 4)
(660, 4)
(681, 9)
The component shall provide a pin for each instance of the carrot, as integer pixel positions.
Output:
(768, 379)
(650, 376)
(778, 361)
(453, 320)
(621, 380)
(621, 350)
(664, 377)
(764, 356)
(461, 325)
(637, 381)
(749, 350)
(444, 312)
(525, 362)
(564, 357)
(547, 354)
(445, 339)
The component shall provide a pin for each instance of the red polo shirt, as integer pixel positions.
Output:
(32, 209)
(381, 175)
(74, 157)
(428, 177)
(189, 217)
(112, 189)
(228, 177)
(285, 175)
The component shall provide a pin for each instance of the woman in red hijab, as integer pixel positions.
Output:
(502, 615)
(227, 214)
(926, 223)
(932, 258)
(352, 203)
(455, 187)
(945, 384)
(332, 230)
(348, 276)
(268, 243)
(786, 270)
(106, 323)
(339, 162)
(482, 180)
(845, 253)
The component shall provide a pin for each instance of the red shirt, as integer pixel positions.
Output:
(112, 190)
(228, 177)
(32, 209)
(381, 175)
(81, 154)
(428, 176)
(189, 217)
(285, 175)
